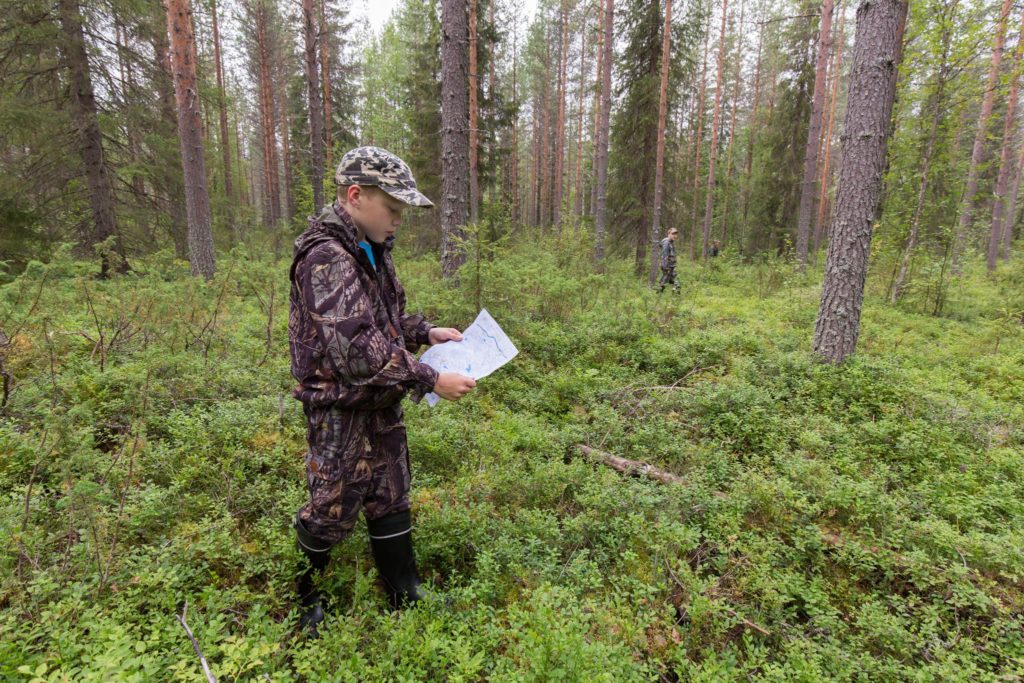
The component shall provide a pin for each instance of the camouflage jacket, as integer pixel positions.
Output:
(350, 338)
(668, 253)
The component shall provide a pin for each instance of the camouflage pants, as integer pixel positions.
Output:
(668, 275)
(357, 459)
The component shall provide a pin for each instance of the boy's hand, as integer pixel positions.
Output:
(453, 386)
(439, 335)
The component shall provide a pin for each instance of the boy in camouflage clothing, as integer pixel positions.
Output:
(668, 262)
(352, 346)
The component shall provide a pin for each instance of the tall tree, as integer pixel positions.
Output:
(454, 133)
(836, 71)
(980, 138)
(709, 201)
(937, 107)
(659, 162)
(90, 138)
(559, 161)
(737, 83)
(310, 35)
(474, 116)
(222, 108)
(1006, 152)
(876, 52)
(190, 131)
(698, 144)
(603, 126)
(807, 188)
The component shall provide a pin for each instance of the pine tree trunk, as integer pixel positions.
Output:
(268, 120)
(737, 81)
(1010, 216)
(454, 134)
(225, 142)
(310, 33)
(578, 192)
(186, 91)
(598, 87)
(999, 204)
(659, 159)
(169, 174)
(868, 115)
(90, 138)
(559, 171)
(748, 166)
(836, 70)
(807, 188)
(286, 148)
(709, 202)
(938, 106)
(698, 144)
(474, 116)
(601, 205)
(978, 152)
(515, 130)
(325, 79)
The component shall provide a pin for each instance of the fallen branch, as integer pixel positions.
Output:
(748, 623)
(195, 644)
(627, 466)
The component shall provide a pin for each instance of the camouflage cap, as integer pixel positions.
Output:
(378, 167)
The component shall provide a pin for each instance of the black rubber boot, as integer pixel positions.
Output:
(391, 541)
(318, 552)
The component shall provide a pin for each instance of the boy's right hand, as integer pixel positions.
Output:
(453, 386)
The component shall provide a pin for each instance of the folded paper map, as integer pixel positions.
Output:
(484, 348)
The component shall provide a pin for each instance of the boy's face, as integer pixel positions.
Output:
(672, 235)
(376, 213)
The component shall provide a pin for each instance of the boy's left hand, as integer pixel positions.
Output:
(439, 335)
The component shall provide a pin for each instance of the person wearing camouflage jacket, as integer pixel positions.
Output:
(352, 345)
(668, 262)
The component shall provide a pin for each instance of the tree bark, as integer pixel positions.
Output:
(578, 191)
(190, 132)
(474, 116)
(749, 165)
(978, 152)
(268, 119)
(598, 89)
(225, 142)
(563, 58)
(709, 201)
(601, 207)
(999, 204)
(89, 136)
(876, 53)
(286, 147)
(807, 188)
(698, 145)
(737, 83)
(836, 70)
(310, 33)
(171, 183)
(937, 107)
(1010, 217)
(454, 137)
(325, 79)
(659, 162)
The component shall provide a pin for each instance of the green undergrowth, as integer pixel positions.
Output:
(862, 522)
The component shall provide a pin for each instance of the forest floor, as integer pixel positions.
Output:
(862, 522)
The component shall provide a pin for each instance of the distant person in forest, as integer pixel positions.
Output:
(715, 248)
(352, 346)
(668, 262)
